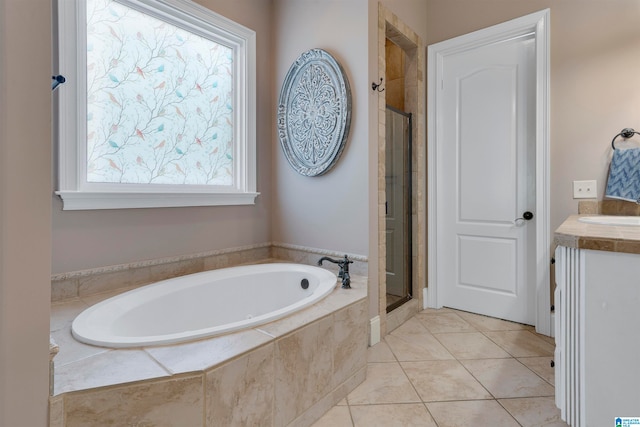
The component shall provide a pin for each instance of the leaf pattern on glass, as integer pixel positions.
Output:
(159, 101)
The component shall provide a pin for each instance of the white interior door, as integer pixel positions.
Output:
(488, 180)
(488, 163)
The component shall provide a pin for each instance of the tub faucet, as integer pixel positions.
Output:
(344, 269)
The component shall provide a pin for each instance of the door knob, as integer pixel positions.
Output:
(527, 216)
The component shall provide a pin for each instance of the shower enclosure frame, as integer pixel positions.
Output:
(407, 206)
(391, 27)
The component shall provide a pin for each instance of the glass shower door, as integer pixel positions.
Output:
(398, 207)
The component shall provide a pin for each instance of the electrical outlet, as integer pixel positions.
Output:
(584, 189)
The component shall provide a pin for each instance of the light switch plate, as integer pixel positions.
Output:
(584, 189)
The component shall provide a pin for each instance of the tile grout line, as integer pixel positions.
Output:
(411, 382)
(539, 376)
(482, 332)
(493, 341)
(460, 362)
(495, 399)
(509, 412)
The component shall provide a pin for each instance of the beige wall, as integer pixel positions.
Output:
(88, 239)
(25, 210)
(595, 78)
(330, 211)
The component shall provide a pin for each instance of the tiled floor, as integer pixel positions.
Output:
(448, 368)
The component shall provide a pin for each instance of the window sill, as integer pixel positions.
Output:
(76, 200)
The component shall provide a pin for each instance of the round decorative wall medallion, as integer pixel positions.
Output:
(314, 113)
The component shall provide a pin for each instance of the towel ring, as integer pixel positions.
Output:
(626, 133)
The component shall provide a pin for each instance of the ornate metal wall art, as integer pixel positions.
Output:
(314, 113)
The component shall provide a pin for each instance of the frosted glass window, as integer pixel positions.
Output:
(158, 108)
(159, 101)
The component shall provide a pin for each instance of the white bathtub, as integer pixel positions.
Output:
(202, 305)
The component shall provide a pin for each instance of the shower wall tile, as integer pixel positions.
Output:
(175, 402)
(349, 341)
(241, 392)
(303, 369)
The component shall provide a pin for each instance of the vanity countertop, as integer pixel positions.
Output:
(612, 238)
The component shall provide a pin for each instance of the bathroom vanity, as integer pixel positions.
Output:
(597, 327)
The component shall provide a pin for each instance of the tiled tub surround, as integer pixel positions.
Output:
(84, 283)
(287, 372)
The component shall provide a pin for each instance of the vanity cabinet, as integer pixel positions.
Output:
(597, 329)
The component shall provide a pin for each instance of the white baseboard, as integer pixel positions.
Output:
(374, 331)
(424, 298)
(553, 325)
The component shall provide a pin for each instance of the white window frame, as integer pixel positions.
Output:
(73, 188)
